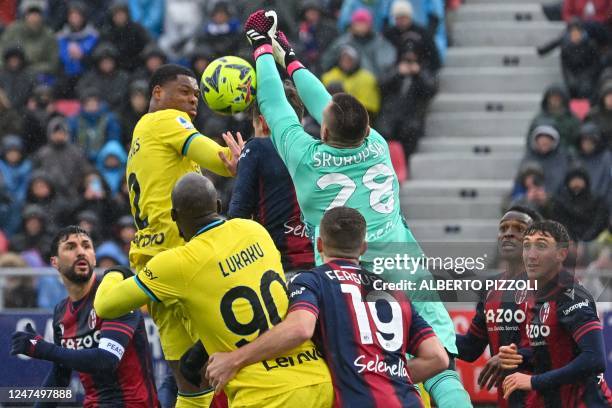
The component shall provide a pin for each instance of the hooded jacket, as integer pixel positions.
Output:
(598, 165)
(40, 46)
(91, 130)
(112, 176)
(63, 164)
(129, 40)
(584, 215)
(601, 116)
(554, 163)
(565, 122)
(86, 38)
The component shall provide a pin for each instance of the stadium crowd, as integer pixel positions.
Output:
(74, 82)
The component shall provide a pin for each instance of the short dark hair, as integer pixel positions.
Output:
(533, 214)
(553, 229)
(293, 98)
(167, 73)
(347, 119)
(343, 231)
(63, 234)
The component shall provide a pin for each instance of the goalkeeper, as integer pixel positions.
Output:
(349, 166)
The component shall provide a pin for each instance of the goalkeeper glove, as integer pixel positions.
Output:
(191, 363)
(28, 342)
(260, 28)
(123, 270)
(284, 54)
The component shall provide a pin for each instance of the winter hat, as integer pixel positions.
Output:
(401, 8)
(361, 16)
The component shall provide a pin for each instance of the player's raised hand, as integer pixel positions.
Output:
(222, 367)
(516, 381)
(509, 357)
(235, 146)
(491, 374)
(260, 28)
(25, 342)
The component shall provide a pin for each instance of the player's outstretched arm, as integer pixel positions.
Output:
(297, 327)
(288, 135)
(310, 89)
(117, 296)
(214, 157)
(431, 359)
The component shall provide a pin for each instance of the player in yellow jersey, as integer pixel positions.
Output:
(166, 146)
(230, 280)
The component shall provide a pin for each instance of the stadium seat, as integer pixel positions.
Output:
(580, 107)
(398, 158)
(68, 107)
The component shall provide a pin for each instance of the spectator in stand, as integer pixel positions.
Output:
(121, 202)
(579, 61)
(379, 9)
(150, 14)
(111, 165)
(39, 110)
(117, 248)
(555, 109)
(584, 215)
(153, 58)
(35, 235)
(596, 15)
(316, 33)
(58, 12)
(106, 77)
(601, 114)
(377, 54)
(42, 193)
(76, 42)
(61, 160)
(34, 37)
(222, 31)
(15, 78)
(136, 106)
(18, 291)
(545, 149)
(109, 254)
(529, 190)
(94, 125)
(355, 80)
(182, 19)
(10, 120)
(201, 56)
(127, 36)
(596, 160)
(16, 171)
(90, 222)
(407, 90)
(431, 15)
(96, 198)
(407, 34)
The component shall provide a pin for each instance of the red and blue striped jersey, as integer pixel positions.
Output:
(558, 316)
(264, 191)
(364, 334)
(76, 326)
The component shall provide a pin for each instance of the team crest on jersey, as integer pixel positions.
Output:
(185, 123)
(91, 320)
(520, 296)
(544, 312)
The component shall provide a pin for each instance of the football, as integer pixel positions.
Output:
(228, 85)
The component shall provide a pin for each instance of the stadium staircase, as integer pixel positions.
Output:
(490, 89)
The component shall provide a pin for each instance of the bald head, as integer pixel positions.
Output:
(194, 203)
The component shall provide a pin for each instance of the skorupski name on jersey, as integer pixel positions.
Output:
(324, 159)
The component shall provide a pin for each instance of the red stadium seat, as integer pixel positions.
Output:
(68, 107)
(398, 158)
(580, 107)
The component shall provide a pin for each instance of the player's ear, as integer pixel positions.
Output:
(319, 245)
(53, 260)
(562, 254)
(364, 248)
(157, 92)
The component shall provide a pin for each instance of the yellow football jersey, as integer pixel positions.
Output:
(157, 160)
(230, 281)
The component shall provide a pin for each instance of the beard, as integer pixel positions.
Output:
(71, 274)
